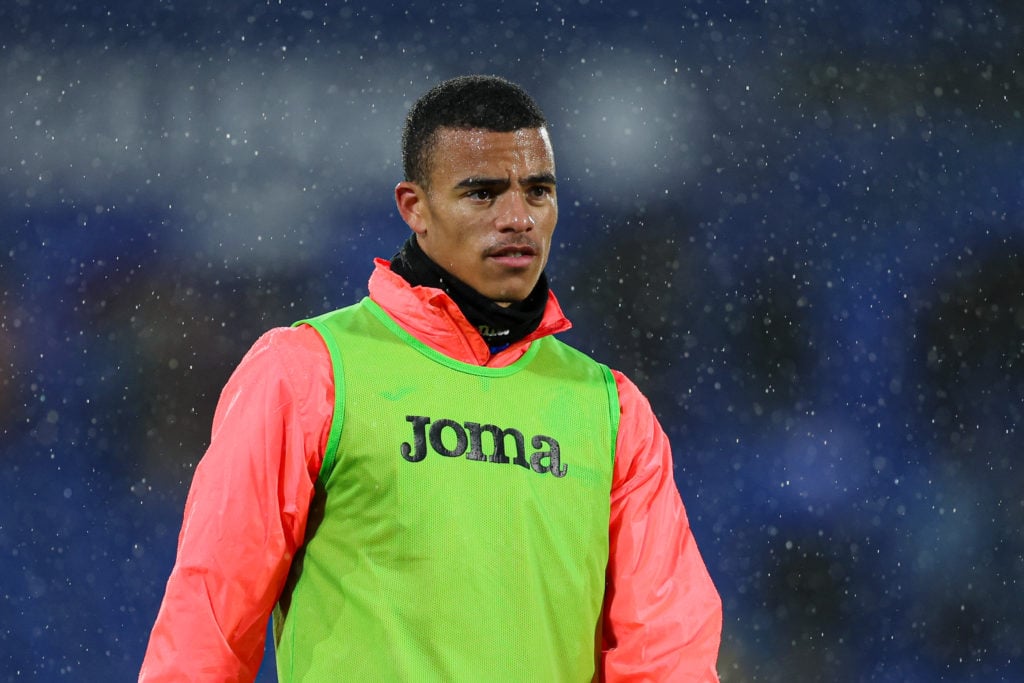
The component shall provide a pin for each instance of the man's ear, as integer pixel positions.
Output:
(411, 201)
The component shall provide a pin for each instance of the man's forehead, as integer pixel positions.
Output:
(476, 146)
(521, 135)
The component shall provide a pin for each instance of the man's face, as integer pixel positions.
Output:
(489, 210)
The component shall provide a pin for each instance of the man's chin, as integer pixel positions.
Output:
(510, 292)
(507, 298)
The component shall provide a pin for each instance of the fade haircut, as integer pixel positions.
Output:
(466, 102)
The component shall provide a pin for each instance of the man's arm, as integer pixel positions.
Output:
(246, 512)
(663, 616)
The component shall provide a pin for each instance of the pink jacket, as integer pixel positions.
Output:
(245, 516)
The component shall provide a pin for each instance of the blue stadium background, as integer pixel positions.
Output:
(798, 226)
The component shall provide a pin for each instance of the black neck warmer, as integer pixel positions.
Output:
(498, 325)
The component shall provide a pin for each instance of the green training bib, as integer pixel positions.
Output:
(459, 531)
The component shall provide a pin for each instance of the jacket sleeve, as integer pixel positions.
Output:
(663, 616)
(245, 515)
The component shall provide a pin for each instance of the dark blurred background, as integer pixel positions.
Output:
(798, 226)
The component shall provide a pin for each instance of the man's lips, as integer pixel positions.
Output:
(513, 255)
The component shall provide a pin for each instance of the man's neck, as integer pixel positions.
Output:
(500, 324)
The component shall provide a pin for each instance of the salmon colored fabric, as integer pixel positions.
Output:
(245, 516)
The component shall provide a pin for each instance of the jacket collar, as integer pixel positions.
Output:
(431, 316)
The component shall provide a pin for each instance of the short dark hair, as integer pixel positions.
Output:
(465, 102)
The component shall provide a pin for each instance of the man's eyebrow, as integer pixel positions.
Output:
(483, 182)
(539, 179)
(536, 179)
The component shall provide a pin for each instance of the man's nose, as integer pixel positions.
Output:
(514, 213)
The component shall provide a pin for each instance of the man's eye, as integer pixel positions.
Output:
(540, 190)
(483, 195)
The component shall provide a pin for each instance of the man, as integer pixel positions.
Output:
(427, 486)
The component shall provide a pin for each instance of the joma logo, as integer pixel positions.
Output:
(488, 331)
(453, 440)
